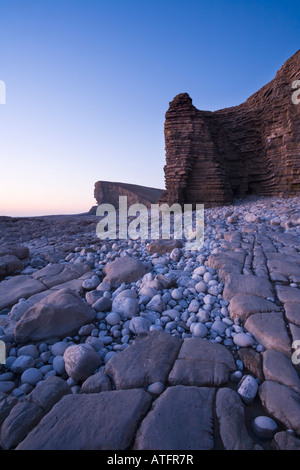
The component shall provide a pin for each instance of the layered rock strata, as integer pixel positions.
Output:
(253, 148)
(108, 192)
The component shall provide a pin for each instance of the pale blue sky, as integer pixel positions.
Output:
(89, 82)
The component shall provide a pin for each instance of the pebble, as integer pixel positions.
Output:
(199, 330)
(91, 283)
(243, 340)
(248, 388)
(264, 427)
(156, 388)
(156, 304)
(58, 349)
(139, 324)
(236, 376)
(201, 287)
(7, 386)
(22, 363)
(176, 254)
(176, 294)
(219, 327)
(6, 376)
(58, 365)
(113, 318)
(29, 350)
(31, 376)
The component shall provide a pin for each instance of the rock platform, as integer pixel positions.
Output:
(194, 351)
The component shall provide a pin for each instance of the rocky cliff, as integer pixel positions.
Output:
(109, 192)
(253, 148)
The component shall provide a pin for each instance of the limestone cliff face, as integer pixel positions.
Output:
(109, 192)
(253, 148)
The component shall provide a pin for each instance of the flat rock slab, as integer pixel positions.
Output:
(227, 263)
(181, 419)
(59, 314)
(125, 269)
(287, 268)
(95, 421)
(201, 363)
(287, 239)
(247, 284)
(282, 403)
(22, 419)
(288, 294)
(295, 332)
(55, 274)
(149, 359)
(47, 393)
(279, 368)
(269, 329)
(230, 413)
(28, 413)
(219, 260)
(252, 361)
(285, 440)
(292, 312)
(12, 290)
(242, 306)
(163, 246)
(7, 402)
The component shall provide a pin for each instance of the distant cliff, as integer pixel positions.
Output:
(109, 192)
(252, 148)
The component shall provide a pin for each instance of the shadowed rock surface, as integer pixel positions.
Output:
(253, 148)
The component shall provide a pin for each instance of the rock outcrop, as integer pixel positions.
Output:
(108, 192)
(253, 148)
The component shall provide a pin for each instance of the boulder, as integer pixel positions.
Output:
(81, 360)
(125, 269)
(149, 359)
(9, 264)
(60, 314)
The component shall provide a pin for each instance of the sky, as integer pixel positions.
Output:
(88, 83)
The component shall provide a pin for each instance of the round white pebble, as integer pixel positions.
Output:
(113, 318)
(200, 330)
(176, 294)
(156, 388)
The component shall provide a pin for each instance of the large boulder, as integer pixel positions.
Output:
(9, 264)
(81, 360)
(60, 314)
(124, 269)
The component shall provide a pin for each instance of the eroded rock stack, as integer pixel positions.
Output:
(253, 148)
